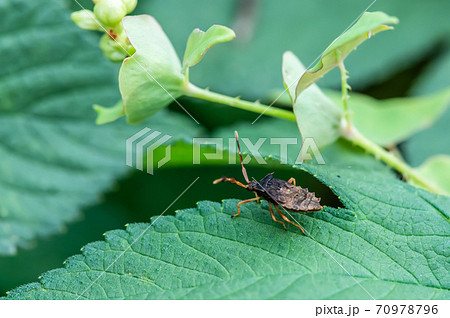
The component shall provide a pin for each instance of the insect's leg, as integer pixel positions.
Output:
(232, 180)
(273, 217)
(242, 202)
(258, 198)
(287, 220)
(292, 180)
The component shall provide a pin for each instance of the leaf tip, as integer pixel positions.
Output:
(199, 42)
(108, 114)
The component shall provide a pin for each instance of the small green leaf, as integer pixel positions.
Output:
(199, 42)
(317, 116)
(391, 121)
(368, 25)
(437, 170)
(150, 79)
(108, 114)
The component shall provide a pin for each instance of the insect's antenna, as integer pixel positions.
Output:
(244, 172)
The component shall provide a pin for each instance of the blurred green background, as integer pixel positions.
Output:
(412, 60)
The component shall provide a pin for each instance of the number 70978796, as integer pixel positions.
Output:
(407, 309)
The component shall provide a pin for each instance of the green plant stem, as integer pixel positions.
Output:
(344, 90)
(256, 107)
(348, 132)
(390, 159)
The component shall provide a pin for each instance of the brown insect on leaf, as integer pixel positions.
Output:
(277, 192)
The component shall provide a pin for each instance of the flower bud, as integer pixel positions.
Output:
(111, 49)
(85, 19)
(110, 12)
(130, 4)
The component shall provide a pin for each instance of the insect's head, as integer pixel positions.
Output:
(253, 186)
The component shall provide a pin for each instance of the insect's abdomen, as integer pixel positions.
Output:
(291, 197)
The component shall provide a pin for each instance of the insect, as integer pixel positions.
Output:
(277, 192)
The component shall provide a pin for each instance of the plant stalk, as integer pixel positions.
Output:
(256, 107)
(344, 90)
(355, 137)
(349, 132)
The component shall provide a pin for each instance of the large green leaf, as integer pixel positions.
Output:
(202, 253)
(394, 247)
(54, 159)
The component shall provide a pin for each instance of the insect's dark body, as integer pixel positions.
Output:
(285, 194)
(277, 192)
